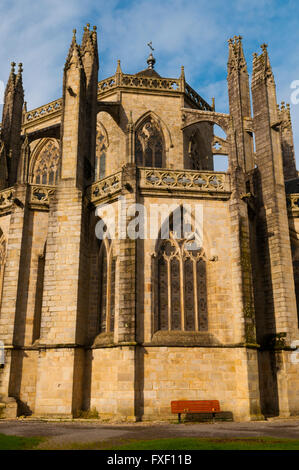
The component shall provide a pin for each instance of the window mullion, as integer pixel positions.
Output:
(182, 296)
(169, 293)
(195, 295)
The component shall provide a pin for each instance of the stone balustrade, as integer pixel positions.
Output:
(152, 179)
(43, 111)
(293, 203)
(209, 181)
(6, 199)
(104, 188)
(40, 196)
(125, 81)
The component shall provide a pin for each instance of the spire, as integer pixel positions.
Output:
(24, 161)
(19, 79)
(10, 86)
(12, 121)
(182, 79)
(118, 73)
(74, 53)
(90, 43)
(182, 76)
(151, 61)
(236, 58)
(239, 101)
(118, 68)
(261, 66)
(86, 36)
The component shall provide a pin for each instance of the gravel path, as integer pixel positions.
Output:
(88, 432)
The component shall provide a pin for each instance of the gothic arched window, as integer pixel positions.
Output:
(101, 151)
(46, 165)
(2, 261)
(107, 268)
(181, 286)
(149, 146)
(295, 257)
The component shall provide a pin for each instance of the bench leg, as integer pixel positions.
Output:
(179, 417)
(213, 414)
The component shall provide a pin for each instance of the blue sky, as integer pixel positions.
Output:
(192, 33)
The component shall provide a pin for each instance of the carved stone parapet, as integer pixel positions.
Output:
(190, 180)
(43, 111)
(40, 196)
(105, 188)
(6, 199)
(293, 204)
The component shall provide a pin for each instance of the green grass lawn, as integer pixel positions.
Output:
(259, 443)
(18, 443)
(254, 443)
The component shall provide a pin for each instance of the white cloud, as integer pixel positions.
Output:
(192, 34)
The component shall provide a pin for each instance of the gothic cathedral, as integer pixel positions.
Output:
(124, 325)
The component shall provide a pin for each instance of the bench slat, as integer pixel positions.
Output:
(195, 406)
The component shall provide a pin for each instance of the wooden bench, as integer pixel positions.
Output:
(195, 406)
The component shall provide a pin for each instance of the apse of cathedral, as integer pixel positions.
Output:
(119, 324)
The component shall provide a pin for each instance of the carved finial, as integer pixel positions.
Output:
(213, 103)
(282, 105)
(88, 26)
(182, 72)
(118, 68)
(74, 34)
(255, 55)
(20, 68)
(264, 47)
(151, 60)
(94, 28)
(13, 64)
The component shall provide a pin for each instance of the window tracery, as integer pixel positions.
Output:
(149, 144)
(2, 261)
(46, 165)
(181, 285)
(101, 152)
(107, 265)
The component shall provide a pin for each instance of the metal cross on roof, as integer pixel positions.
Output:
(150, 45)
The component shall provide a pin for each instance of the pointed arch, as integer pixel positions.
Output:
(102, 144)
(107, 270)
(39, 294)
(180, 277)
(152, 141)
(198, 140)
(2, 261)
(162, 124)
(295, 258)
(45, 162)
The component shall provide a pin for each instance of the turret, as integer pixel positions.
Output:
(73, 141)
(90, 60)
(287, 142)
(280, 313)
(11, 125)
(239, 102)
